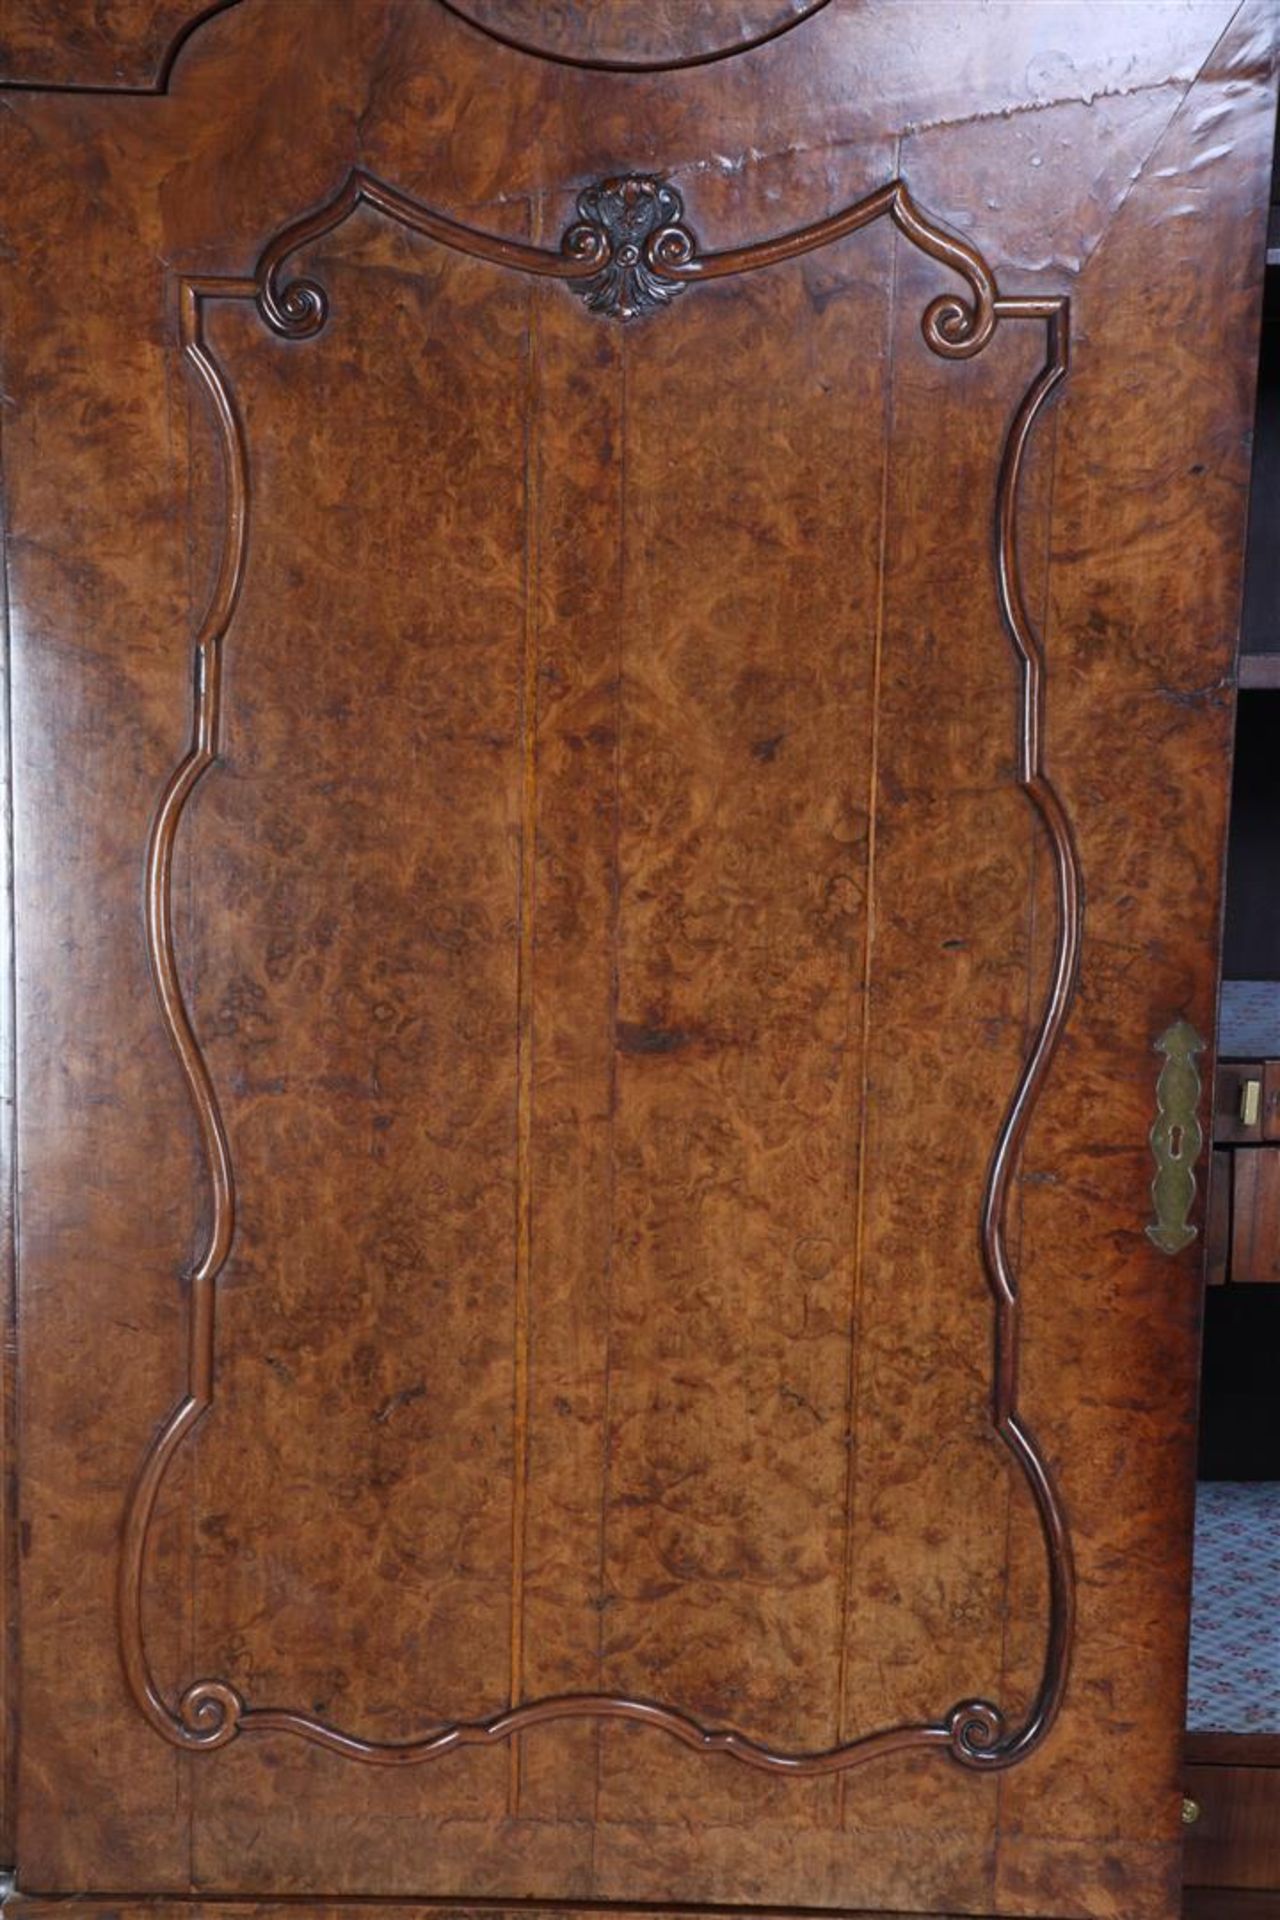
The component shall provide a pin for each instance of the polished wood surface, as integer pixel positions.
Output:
(128, 46)
(211, 1712)
(1255, 1216)
(1233, 1749)
(87, 1907)
(1235, 1842)
(584, 1101)
(636, 35)
(1198, 1903)
(1217, 1218)
(1217, 1903)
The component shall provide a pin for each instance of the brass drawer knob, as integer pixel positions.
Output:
(1190, 1811)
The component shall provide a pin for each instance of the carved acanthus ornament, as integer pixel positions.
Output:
(638, 222)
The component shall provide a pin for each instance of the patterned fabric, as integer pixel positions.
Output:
(1235, 1609)
(1249, 1020)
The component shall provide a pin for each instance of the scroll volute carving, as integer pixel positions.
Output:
(631, 251)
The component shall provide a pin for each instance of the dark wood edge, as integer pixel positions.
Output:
(1232, 1749)
(126, 1906)
(8, 1237)
(1215, 1903)
(159, 82)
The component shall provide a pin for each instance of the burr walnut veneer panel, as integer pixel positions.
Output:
(619, 631)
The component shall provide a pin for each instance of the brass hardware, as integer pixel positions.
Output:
(1190, 1811)
(1250, 1102)
(1176, 1137)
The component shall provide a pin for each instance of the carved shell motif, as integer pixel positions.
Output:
(636, 223)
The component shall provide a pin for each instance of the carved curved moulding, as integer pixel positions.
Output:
(134, 49)
(636, 36)
(129, 48)
(630, 250)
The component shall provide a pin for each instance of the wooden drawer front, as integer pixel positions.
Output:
(1236, 1840)
(1255, 1215)
(1217, 1231)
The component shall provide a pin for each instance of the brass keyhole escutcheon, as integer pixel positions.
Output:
(1176, 1138)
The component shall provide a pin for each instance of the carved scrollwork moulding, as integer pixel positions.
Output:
(111, 51)
(630, 39)
(636, 36)
(630, 250)
(637, 223)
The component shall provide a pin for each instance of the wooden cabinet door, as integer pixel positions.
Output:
(621, 624)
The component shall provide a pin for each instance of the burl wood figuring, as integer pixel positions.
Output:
(621, 622)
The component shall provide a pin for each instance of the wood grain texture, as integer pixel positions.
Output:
(120, 46)
(9, 1536)
(1232, 1749)
(1271, 1100)
(1217, 1218)
(1217, 1903)
(34, 1907)
(1132, 672)
(1198, 1903)
(618, 220)
(1255, 1216)
(1236, 1840)
(615, 931)
(635, 35)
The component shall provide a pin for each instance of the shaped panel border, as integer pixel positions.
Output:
(162, 68)
(161, 72)
(210, 1712)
